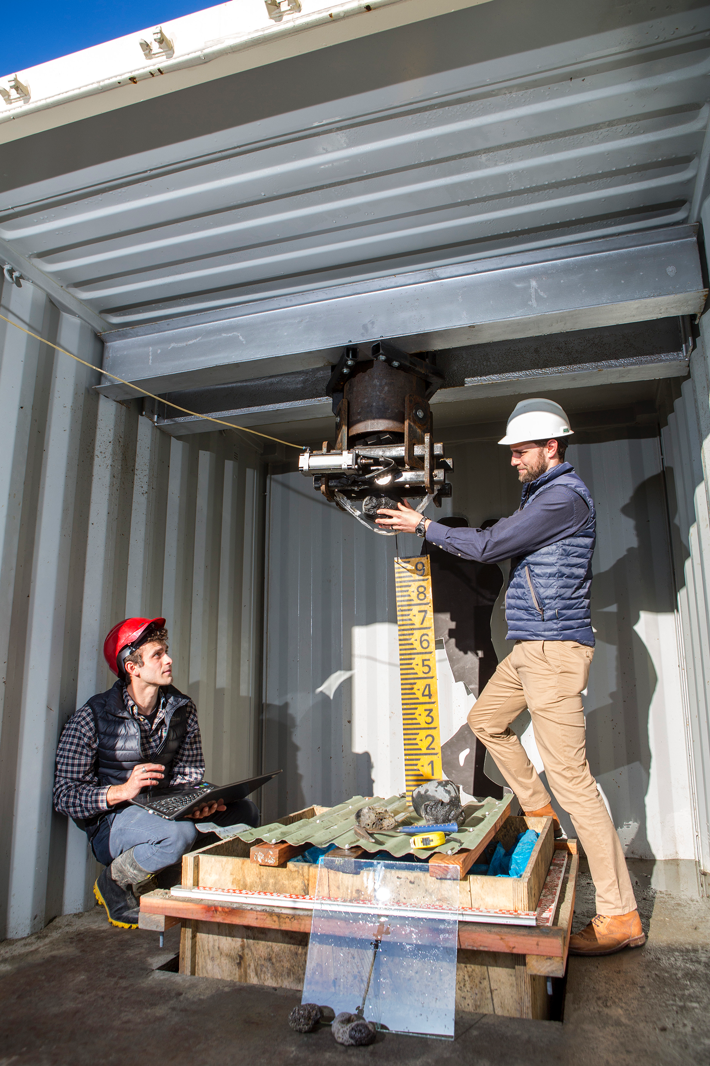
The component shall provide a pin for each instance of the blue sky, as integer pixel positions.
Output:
(34, 32)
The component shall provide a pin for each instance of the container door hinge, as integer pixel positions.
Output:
(276, 9)
(161, 46)
(16, 92)
(12, 275)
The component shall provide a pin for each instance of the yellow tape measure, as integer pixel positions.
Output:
(417, 670)
(428, 840)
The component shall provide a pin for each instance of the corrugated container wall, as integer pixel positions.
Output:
(333, 712)
(103, 516)
(686, 440)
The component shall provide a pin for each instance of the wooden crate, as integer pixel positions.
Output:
(501, 969)
(227, 864)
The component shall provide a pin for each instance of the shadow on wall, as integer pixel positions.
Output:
(290, 792)
(618, 730)
(464, 593)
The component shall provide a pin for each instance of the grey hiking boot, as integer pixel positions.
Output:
(125, 871)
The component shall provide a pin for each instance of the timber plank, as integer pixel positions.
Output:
(455, 867)
(275, 854)
(348, 853)
(228, 914)
(476, 936)
(188, 948)
(156, 923)
(497, 983)
(555, 964)
(512, 939)
(220, 871)
(252, 956)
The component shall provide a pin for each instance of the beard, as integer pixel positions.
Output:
(534, 471)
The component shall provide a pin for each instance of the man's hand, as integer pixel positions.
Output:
(145, 775)
(207, 810)
(404, 520)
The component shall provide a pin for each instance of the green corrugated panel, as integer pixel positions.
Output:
(337, 826)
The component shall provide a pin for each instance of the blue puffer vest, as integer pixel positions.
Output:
(119, 736)
(549, 589)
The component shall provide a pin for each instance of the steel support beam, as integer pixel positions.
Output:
(518, 383)
(598, 283)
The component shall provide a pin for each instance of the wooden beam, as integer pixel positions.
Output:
(554, 964)
(477, 936)
(348, 853)
(275, 854)
(156, 923)
(455, 867)
(160, 902)
(511, 939)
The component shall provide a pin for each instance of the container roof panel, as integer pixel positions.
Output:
(597, 134)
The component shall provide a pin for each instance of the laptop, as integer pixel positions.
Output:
(179, 802)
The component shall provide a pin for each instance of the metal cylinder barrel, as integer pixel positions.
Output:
(376, 395)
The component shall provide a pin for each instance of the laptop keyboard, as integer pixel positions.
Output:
(167, 805)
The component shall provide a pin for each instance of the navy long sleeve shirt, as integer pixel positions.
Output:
(556, 513)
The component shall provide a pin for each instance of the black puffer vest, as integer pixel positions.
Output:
(119, 737)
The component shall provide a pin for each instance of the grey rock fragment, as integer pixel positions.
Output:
(305, 1018)
(375, 818)
(352, 1031)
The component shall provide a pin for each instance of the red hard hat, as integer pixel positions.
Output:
(127, 634)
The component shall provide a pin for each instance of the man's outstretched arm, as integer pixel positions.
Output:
(557, 513)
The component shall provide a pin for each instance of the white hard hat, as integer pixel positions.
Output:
(536, 419)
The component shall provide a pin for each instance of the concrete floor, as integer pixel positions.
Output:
(82, 993)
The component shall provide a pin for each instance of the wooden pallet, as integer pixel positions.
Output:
(502, 969)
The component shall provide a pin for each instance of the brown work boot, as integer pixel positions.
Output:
(605, 935)
(548, 812)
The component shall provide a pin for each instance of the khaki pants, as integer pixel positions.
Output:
(548, 677)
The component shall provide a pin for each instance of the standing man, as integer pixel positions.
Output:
(550, 541)
(139, 734)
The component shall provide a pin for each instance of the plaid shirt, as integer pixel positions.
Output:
(77, 791)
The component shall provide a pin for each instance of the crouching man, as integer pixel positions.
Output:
(142, 733)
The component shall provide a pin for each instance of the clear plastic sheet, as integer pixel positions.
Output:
(383, 945)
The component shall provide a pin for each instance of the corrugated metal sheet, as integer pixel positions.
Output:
(102, 516)
(337, 826)
(685, 443)
(331, 628)
(507, 126)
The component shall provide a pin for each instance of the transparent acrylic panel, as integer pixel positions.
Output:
(383, 945)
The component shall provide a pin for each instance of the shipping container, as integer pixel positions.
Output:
(207, 213)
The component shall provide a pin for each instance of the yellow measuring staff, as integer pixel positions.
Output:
(417, 671)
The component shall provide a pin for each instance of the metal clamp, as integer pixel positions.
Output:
(162, 45)
(12, 275)
(276, 9)
(16, 92)
(345, 505)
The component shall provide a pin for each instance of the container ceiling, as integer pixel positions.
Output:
(504, 128)
(601, 133)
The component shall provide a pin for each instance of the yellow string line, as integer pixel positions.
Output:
(168, 403)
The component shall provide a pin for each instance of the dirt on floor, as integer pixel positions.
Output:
(82, 993)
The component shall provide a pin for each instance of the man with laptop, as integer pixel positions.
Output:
(141, 735)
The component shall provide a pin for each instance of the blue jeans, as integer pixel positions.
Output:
(158, 842)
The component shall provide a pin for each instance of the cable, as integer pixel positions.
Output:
(168, 403)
